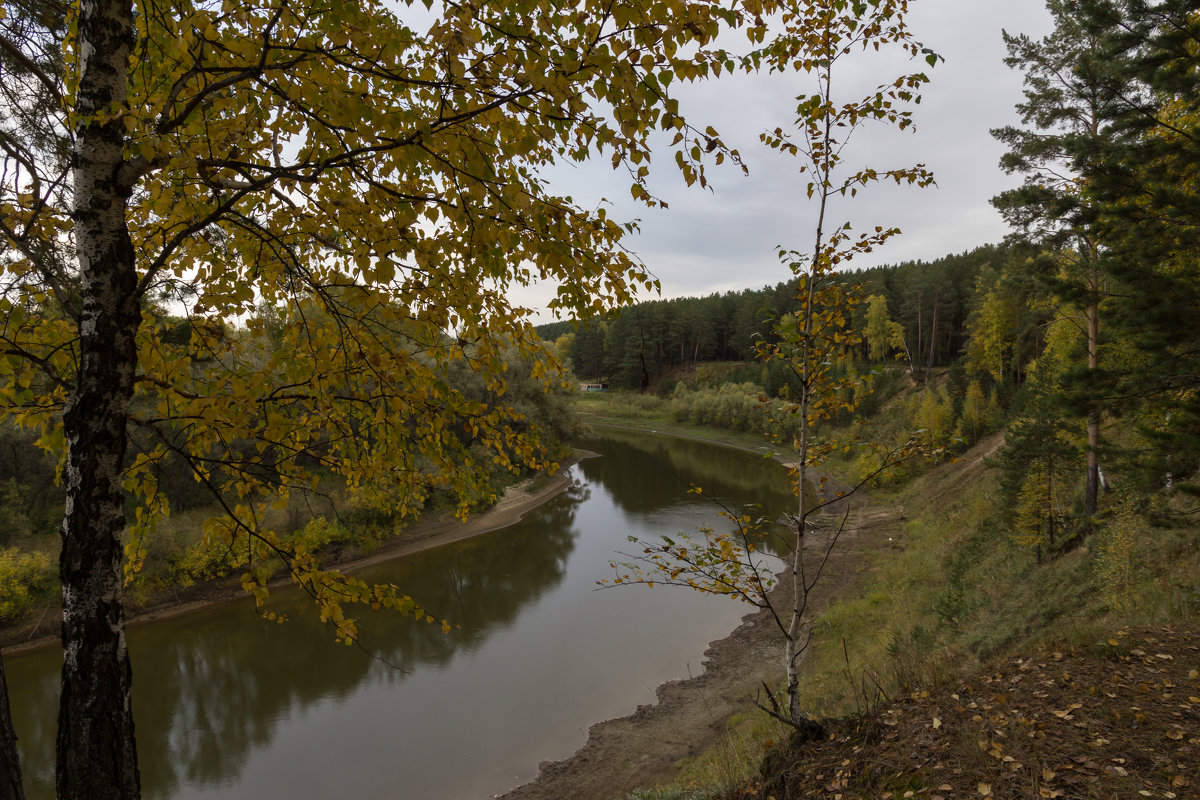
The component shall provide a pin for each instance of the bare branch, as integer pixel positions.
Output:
(18, 55)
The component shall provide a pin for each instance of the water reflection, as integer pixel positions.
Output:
(229, 706)
(736, 480)
(674, 464)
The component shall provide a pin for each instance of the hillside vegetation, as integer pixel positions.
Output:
(1048, 568)
(968, 604)
(963, 600)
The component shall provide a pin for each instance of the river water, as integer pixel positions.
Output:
(229, 706)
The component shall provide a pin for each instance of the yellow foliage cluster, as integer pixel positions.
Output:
(214, 556)
(935, 418)
(874, 466)
(993, 331)
(24, 578)
(980, 414)
(319, 534)
(1114, 564)
(1035, 507)
(221, 552)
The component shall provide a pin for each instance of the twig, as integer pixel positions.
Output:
(39, 622)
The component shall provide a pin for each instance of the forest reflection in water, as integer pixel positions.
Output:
(227, 705)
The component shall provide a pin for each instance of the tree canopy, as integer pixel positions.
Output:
(371, 174)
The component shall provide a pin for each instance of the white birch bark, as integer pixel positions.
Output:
(96, 757)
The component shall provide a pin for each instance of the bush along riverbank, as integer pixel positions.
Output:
(187, 539)
(188, 569)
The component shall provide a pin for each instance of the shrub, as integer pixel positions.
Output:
(1114, 563)
(26, 579)
(320, 533)
(214, 556)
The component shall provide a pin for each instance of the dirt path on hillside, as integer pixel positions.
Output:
(691, 715)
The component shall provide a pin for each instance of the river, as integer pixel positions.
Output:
(227, 705)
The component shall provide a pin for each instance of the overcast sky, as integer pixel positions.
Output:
(725, 239)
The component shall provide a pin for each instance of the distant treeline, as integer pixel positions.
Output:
(925, 308)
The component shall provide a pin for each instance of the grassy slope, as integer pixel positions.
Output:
(955, 598)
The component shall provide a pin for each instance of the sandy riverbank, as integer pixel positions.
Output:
(427, 532)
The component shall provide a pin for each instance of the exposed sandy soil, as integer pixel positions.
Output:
(691, 715)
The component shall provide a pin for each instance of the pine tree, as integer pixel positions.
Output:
(1144, 176)
(1038, 454)
(1067, 97)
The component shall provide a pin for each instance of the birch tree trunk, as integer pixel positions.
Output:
(794, 649)
(96, 757)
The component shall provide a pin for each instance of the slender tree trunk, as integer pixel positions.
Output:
(10, 764)
(1050, 502)
(1092, 491)
(644, 378)
(96, 756)
(916, 364)
(932, 341)
(797, 639)
(1091, 495)
(799, 586)
(793, 649)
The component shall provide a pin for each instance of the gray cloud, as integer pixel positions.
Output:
(725, 239)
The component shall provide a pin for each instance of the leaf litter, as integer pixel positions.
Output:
(1120, 720)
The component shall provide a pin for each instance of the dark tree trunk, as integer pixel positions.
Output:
(644, 378)
(96, 757)
(1092, 492)
(932, 341)
(915, 360)
(10, 765)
